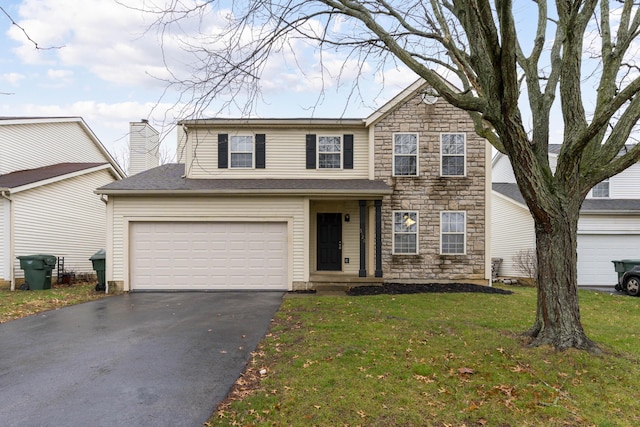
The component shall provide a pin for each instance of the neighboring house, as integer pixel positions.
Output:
(49, 169)
(608, 228)
(292, 204)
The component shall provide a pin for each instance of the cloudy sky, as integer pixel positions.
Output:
(100, 61)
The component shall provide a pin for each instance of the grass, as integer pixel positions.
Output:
(436, 360)
(17, 304)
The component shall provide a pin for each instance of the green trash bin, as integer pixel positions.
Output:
(622, 266)
(37, 270)
(99, 265)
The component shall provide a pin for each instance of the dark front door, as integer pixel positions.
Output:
(329, 241)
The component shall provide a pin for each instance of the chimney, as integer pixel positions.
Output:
(144, 147)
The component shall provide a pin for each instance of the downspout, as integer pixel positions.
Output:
(6, 194)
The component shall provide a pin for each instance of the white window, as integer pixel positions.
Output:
(452, 150)
(329, 152)
(241, 151)
(601, 190)
(405, 232)
(405, 154)
(453, 232)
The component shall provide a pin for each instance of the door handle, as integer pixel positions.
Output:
(339, 245)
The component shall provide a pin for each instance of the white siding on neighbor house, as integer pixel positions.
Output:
(502, 170)
(608, 224)
(143, 147)
(626, 185)
(512, 230)
(65, 219)
(30, 146)
(240, 209)
(285, 155)
(5, 250)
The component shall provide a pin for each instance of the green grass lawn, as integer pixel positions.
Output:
(17, 304)
(437, 360)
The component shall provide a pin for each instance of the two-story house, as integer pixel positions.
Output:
(49, 169)
(608, 227)
(293, 204)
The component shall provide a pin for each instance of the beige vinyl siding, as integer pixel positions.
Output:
(30, 146)
(285, 154)
(5, 250)
(511, 231)
(243, 209)
(65, 219)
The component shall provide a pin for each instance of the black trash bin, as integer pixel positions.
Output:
(623, 266)
(37, 270)
(99, 265)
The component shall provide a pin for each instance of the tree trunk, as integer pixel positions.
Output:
(558, 314)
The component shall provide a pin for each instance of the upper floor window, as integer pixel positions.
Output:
(405, 232)
(601, 190)
(453, 153)
(453, 232)
(241, 151)
(329, 152)
(405, 154)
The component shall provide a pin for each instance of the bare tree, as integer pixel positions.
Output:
(507, 61)
(526, 263)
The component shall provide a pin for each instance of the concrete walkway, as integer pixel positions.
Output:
(140, 359)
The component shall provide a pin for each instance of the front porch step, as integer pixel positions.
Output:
(340, 286)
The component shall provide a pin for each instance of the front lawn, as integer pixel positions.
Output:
(17, 304)
(436, 360)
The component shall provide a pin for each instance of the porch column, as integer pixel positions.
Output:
(378, 205)
(363, 229)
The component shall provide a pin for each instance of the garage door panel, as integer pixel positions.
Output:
(595, 253)
(208, 255)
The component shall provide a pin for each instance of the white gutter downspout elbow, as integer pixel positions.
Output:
(6, 194)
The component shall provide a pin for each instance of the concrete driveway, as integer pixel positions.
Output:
(141, 359)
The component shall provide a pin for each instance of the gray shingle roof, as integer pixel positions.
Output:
(29, 176)
(589, 205)
(169, 178)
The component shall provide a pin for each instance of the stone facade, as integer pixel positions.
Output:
(429, 193)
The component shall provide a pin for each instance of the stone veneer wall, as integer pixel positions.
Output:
(429, 193)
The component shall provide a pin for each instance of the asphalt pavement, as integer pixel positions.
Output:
(139, 359)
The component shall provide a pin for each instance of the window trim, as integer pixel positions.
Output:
(608, 196)
(253, 151)
(463, 155)
(417, 155)
(464, 233)
(341, 138)
(393, 232)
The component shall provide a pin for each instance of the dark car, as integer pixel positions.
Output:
(630, 281)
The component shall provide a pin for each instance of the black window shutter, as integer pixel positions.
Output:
(260, 151)
(311, 151)
(348, 152)
(223, 151)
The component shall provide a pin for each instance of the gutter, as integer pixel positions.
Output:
(6, 194)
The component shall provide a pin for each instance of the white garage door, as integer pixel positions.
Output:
(208, 255)
(595, 252)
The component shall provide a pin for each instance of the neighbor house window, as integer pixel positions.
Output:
(405, 232)
(329, 152)
(452, 146)
(405, 154)
(601, 190)
(241, 151)
(453, 233)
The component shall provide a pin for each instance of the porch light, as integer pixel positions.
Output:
(347, 218)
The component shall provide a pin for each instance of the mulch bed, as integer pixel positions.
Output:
(402, 288)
